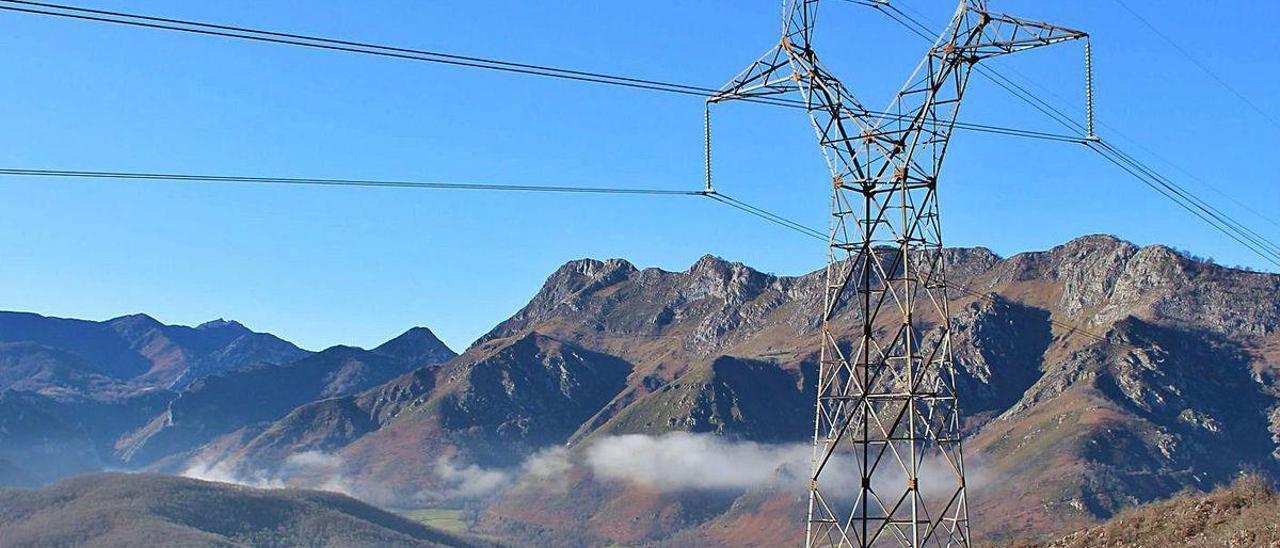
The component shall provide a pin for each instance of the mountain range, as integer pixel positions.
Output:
(79, 396)
(1094, 377)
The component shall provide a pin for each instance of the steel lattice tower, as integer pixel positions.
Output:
(887, 410)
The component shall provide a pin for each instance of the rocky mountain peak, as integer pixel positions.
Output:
(966, 262)
(732, 282)
(583, 275)
(417, 346)
(1090, 253)
(526, 392)
(711, 263)
(593, 269)
(134, 323)
(1095, 242)
(223, 325)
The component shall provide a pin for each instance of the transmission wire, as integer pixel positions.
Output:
(282, 38)
(1220, 80)
(428, 185)
(1228, 225)
(1231, 224)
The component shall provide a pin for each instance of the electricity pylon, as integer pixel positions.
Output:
(887, 409)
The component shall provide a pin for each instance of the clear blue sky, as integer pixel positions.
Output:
(322, 266)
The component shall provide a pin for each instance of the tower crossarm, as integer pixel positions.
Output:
(1003, 34)
(769, 75)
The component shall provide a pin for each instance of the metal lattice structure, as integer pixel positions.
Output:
(888, 466)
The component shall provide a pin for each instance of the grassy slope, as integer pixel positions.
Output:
(1246, 513)
(152, 510)
(440, 518)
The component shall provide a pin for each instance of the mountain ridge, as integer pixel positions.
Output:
(1106, 362)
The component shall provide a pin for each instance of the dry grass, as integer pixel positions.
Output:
(1244, 514)
(127, 510)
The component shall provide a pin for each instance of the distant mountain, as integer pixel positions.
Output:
(150, 510)
(224, 403)
(70, 388)
(416, 347)
(38, 444)
(501, 401)
(32, 367)
(43, 439)
(65, 357)
(81, 396)
(493, 405)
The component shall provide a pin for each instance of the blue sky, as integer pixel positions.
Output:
(323, 266)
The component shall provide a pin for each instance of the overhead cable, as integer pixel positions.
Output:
(429, 185)
(413, 54)
(1233, 228)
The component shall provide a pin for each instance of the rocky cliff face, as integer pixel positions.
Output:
(731, 397)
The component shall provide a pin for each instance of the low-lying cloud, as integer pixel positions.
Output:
(680, 461)
(672, 462)
(470, 481)
(307, 470)
(223, 472)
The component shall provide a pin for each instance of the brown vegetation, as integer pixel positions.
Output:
(1243, 514)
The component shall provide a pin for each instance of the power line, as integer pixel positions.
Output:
(1261, 246)
(411, 54)
(426, 185)
(1208, 208)
(1220, 80)
(766, 215)
(1198, 206)
(283, 38)
(1170, 163)
(1225, 223)
(1228, 225)
(1073, 125)
(423, 185)
(756, 211)
(920, 29)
